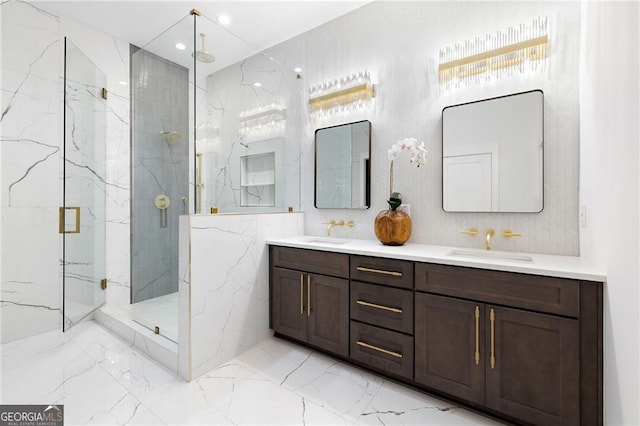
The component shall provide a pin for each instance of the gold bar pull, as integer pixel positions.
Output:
(492, 317)
(477, 354)
(379, 271)
(62, 228)
(308, 295)
(376, 348)
(301, 294)
(373, 305)
(471, 231)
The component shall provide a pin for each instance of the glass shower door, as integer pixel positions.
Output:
(82, 216)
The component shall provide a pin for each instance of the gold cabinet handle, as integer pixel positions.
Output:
(507, 233)
(301, 294)
(477, 354)
(471, 231)
(379, 271)
(373, 305)
(492, 317)
(308, 295)
(376, 348)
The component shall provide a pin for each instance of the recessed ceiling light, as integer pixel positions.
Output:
(224, 20)
(180, 46)
(257, 84)
(297, 69)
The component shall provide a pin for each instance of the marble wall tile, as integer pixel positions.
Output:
(32, 162)
(226, 279)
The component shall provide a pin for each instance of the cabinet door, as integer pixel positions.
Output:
(288, 307)
(537, 365)
(329, 317)
(449, 335)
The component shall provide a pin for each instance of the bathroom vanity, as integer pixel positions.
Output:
(516, 337)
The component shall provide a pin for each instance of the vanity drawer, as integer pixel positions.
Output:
(543, 294)
(313, 261)
(379, 270)
(382, 306)
(385, 350)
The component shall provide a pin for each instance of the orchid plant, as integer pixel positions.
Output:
(417, 153)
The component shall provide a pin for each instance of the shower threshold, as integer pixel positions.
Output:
(159, 315)
(120, 321)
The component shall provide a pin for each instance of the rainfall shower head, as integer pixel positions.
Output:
(203, 55)
(171, 137)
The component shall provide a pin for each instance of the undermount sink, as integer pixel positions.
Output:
(322, 240)
(498, 255)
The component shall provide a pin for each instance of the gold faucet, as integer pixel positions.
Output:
(507, 233)
(490, 233)
(332, 224)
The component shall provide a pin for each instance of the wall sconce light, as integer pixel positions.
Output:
(264, 120)
(506, 52)
(207, 138)
(347, 93)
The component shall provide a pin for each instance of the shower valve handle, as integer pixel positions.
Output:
(162, 202)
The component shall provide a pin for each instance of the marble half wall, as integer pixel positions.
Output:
(224, 285)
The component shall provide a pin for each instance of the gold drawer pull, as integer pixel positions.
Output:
(379, 271)
(373, 305)
(375, 348)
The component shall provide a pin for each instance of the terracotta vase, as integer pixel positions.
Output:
(393, 227)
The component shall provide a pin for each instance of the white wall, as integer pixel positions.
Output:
(398, 42)
(609, 158)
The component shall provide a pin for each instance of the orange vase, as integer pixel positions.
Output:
(393, 227)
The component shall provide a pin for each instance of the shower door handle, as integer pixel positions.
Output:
(62, 220)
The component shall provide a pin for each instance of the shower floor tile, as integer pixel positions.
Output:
(161, 312)
(101, 380)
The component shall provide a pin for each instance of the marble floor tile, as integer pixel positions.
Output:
(103, 381)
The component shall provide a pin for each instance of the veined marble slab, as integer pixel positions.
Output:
(224, 285)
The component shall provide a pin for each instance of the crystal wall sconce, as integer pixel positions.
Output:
(517, 49)
(264, 120)
(344, 94)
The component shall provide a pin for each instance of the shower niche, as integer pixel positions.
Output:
(257, 180)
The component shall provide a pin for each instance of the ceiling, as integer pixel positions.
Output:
(159, 25)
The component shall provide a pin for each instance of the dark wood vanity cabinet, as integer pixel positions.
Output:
(307, 306)
(381, 313)
(519, 362)
(524, 348)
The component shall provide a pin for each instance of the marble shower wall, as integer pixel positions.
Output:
(31, 151)
(398, 42)
(160, 167)
(228, 140)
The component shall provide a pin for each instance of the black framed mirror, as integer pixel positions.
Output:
(343, 166)
(492, 154)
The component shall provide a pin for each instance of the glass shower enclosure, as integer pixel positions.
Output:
(82, 215)
(208, 130)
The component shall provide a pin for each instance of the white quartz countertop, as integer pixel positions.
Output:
(527, 263)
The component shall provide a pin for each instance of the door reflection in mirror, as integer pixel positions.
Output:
(493, 154)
